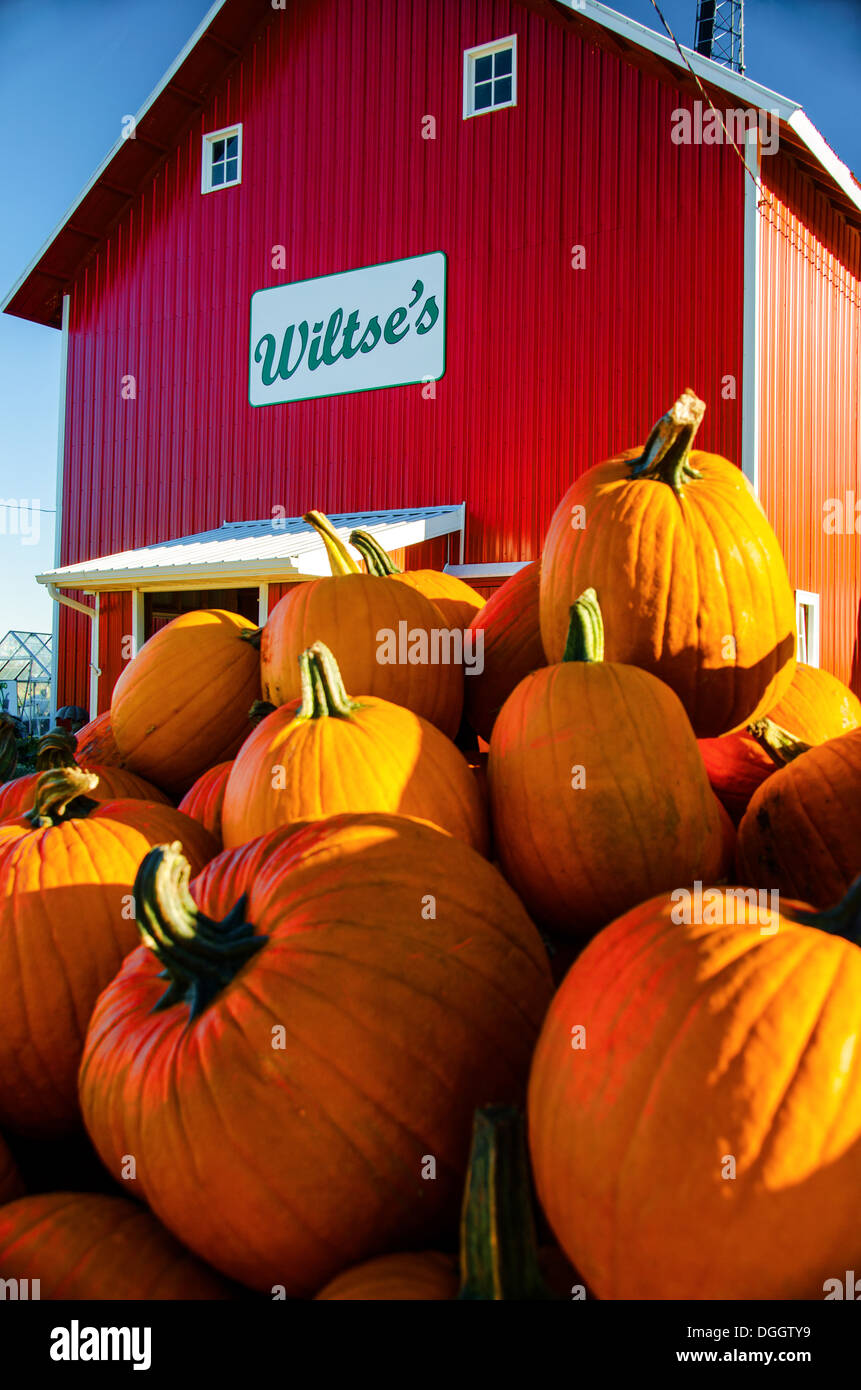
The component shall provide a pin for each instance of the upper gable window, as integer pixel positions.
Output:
(490, 77)
(222, 159)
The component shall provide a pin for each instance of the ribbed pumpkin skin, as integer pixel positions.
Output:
(382, 758)
(456, 600)
(11, 1185)
(63, 936)
(801, 832)
(817, 706)
(427, 1276)
(512, 647)
(346, 613)
(702, 1042)
(205, 798)
(646, 818)
(182, 704)
(287, 1165)
(86, 1246)
(675, 577)
(737, 765)
(95, 742)
(114, 783)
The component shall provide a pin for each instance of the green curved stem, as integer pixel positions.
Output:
(252, 636)
(844, 919)
(498, 1249)
(666, 454)
(200, 955)
(377, 560)
(56, 749)
(780, 745)
(340, 559)
(585, 639)
(259, 710)
(323, 693)
(61, 795)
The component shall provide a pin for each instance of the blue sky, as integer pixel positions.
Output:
(70, 70)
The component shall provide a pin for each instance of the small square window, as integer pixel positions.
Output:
(222, 159)
(490, 77)
(807, 627)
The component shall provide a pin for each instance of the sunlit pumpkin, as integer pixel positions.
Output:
(692, 582)
(599, 797)
(339, 1002)
(510, 647)
(695, 1101)
(57, 749)
(332, 753)
(95, 742)
(456, 600)
(816, 706)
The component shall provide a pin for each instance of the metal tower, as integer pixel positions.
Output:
(720, 32)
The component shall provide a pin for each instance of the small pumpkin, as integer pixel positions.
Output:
(692, 582)
(363, 617)
(700, 1137)
(341, 998)
(66, 877)
(498, 1249)
(57, 749)
(8, 748)
(95, 742)
(332, 754)
(816, 706)
(82, 1245)
(599, 797)
(510, 647)
(205, 798)
(739, 763)
(457, 601)
(801, 832)
(181, 705)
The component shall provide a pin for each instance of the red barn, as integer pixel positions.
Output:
(549, 233)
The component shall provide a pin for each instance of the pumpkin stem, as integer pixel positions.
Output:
(56, 749)
(200, 955)
(498, 1250)
(259, 710)
(61, 796)
(585, 640)
(252, 636)
(666, 453)
(377, 561)
(8, 748)
(323, 693)
(844, 919)
(340, 559)
(781, 746)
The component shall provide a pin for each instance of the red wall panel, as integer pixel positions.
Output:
(548, 368)
(811, 420)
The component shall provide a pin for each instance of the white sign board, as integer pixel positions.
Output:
(383, 325)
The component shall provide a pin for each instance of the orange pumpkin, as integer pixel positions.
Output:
(65, 926)
(691, 578)
(11, 1185)
(82, 1245)
(801, 832)
(205, 798)
(363, 617)
(95, 742)
(598, 794)
(332, 754)
(498, 1251)
(817, 706)
(311, 1062)
(737, 764)
(456, 600)
(182, 704)
(694, 1110)
(510, 647)
(57, 749)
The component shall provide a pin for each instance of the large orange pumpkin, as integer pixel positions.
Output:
(511, 647)
(801, 832)
(205, 798)
(695, 1101)
(57, 749)
(737, 764)
(386, 636)
(182, 704)
(692, 582)
(456, 600)
(498, 1251)
(331, 754)
(599, 797)
(82, 1245)
(65, 925)
(95, 742)
(324, 1036)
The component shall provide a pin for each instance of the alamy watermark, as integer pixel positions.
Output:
(19, 516)
(704, 125)
(436, 646)
(717, 907)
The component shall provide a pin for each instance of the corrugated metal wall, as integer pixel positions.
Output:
(811, 419)
(549, 368)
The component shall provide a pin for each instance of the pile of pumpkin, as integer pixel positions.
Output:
(283, 925)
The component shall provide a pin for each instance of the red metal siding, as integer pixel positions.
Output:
(811, 422)
(548, 368)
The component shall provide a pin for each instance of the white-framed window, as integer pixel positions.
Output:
(807, 627)
(222, 159)
(490, 77)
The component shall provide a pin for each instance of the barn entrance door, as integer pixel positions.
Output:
(160, 608)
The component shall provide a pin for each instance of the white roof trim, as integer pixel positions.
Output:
(247, 553)
(832, 163)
